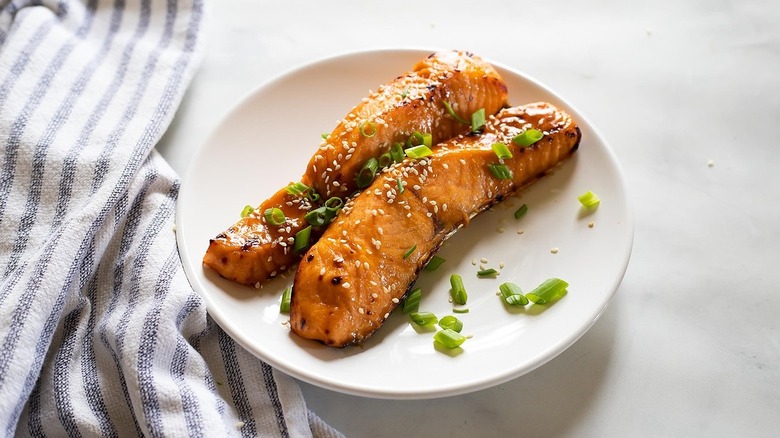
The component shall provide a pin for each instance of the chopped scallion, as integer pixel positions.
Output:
(368, 129)
(284, 307)
(461, 310)
(400, 186)
(317, 217)
(434, 263)
(527, 138)
(334, 203)
(274, 216)
(367, 173)
(452, 114)
(420, 151)
(423, 318)
(485, 273)
(520, 212)
(248, 209)
(449, 338)
(409, 251)
(397, 152)
(502, 152)
(478, 120)
(500, 171)
(405, 93)
(297, 188)
(312, 195)
(385, 160)
(415, 139)
(302, 239)
(427, 140)
(549, 290)
(412, 301)
(589, 199)
(512, 294)
(452, 323)
(458, 291)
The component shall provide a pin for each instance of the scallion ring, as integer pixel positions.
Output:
(385, 160)
(500, 171)
(284, 306)
(451, 322)
(486, 273)
(520, 212)
(415, 139)
(248, 209)
(423, 318)
(334, 203)
(589, 200)
(397, 152)
(478, 120)
(318, 217)
(502, 152)
(297, 188)
(452, 114)
(434, 263)
(412, 301)
(458, 291)
(527, 138)
(274, 216)
(449, 338)
(367, 173)
(549, 290)
(368, 129)
(420, 151)
(302, 239)
(512, 294)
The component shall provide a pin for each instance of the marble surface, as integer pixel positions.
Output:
(687, 94)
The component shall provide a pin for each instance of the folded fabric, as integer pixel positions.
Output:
(100, 331)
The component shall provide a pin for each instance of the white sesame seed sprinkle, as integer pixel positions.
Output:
(345, 285)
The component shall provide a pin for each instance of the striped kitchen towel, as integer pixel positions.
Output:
(100, 332)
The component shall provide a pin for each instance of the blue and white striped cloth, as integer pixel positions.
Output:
(100, 332)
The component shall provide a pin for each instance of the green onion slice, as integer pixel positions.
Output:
(451, 322)
(400, 185)
(334, 203)
(284, 307)
(385, 160)
(247, 211)
(420, 151)
(502, 152)
(368, 129)
(405, 93)
(367, 173)
(461, 310)
(312, 195)
(302, 239)
(325, 135)
(423, 318)
(478, 120)
(520, 212)
(500, 171)
(409, 251)
(549, 290)
(512, 294)
(485, 273)
(527, 138)
(412, 301)
(297, 188)
(452, 114)
(449, 338)
(458, 291)
(318, 217)
(589, 199)
(427, 140)
(415, 139)
(397, 152)
(434, 263)
(274, 216)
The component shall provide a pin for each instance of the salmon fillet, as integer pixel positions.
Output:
(251, 251)
(356, 274)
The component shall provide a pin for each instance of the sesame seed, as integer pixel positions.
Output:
(591, 224)
(501, 265)
(375, 295)
(444, 207)
(322, 271)
(361, 310)
(484, 260)
(373, 283)
(387, 315)
(257, 285)
(380, 230)
(554, 250)
(366, 265)
(345, 285)
(520, 231)
(474, 262)
(396, 300)
(357, 263)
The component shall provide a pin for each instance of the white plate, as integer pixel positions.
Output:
(266, 141)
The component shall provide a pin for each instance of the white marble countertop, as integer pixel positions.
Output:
(687, 94)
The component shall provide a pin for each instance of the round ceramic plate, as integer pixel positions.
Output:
(266, 141)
